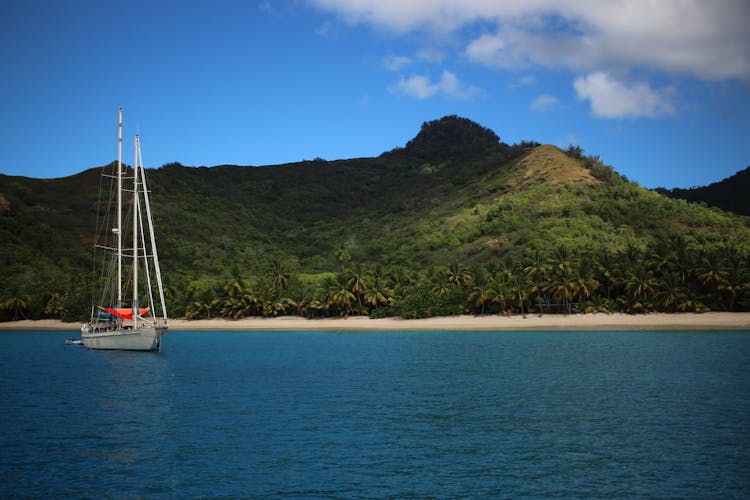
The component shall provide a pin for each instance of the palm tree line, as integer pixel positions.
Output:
(662, 277)
(658, 278)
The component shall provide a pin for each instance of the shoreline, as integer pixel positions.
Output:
(593, 321)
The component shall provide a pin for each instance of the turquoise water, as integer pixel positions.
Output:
(379, 414)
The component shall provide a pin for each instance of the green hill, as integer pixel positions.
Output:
(728, 194)
(455, 221)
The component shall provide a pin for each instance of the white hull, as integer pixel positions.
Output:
(142, 339)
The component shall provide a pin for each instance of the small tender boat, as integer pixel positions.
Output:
(72, 341)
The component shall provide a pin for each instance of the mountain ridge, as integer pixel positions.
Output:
(728, 194)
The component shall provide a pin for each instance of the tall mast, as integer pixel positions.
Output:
(119, 208)
(135, 234)
(154, 254)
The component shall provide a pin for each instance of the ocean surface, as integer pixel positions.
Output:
(379, 415)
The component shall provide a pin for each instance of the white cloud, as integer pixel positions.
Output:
(497, 51)
(421, 87)
(707, 40)
(611, 98)
(514, 48)
(395, 63)
(544, 103)
(403, 16)
(524, 81)
(433, 56)
(453, 87)
(417, 86)
(324, 29)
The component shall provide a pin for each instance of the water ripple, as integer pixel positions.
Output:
(379, 415)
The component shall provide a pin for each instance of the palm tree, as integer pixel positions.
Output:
(519, 290)
(606, 269)
(479, 297)
(499, 294)
(169, 292)
(536, 271)
(239, 300)
(377, 295)
(278, 307)
(343, 256)
(692, 302)
(479, 274)
(640, 285)
(563, 259)
(536, 266)
(441, 286)
(632, 257)
(240, 303)
(458, 275)
(662, 256)
(401, 282)
(55, 307)
(234, 287)
(711, 272)
(197, 309)
(563, 289)
(278, 274)
(17, 306)
(735, 283)
(316, 308)
(671, 295)
(358, 281)
(342, 298)
(585, 282)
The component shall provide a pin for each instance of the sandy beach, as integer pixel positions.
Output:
(683, 321)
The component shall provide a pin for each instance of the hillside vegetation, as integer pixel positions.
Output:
(456, 221)
(728, 194)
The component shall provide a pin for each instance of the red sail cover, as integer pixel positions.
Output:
(124, 312)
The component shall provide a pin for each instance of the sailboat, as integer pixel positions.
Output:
(126, 270)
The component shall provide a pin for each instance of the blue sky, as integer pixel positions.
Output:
(659, 90)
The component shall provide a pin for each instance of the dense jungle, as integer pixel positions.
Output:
(454, 222)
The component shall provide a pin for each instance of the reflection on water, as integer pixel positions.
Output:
(130, 406)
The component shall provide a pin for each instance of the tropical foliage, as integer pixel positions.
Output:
(455, 222)
(729, 194)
